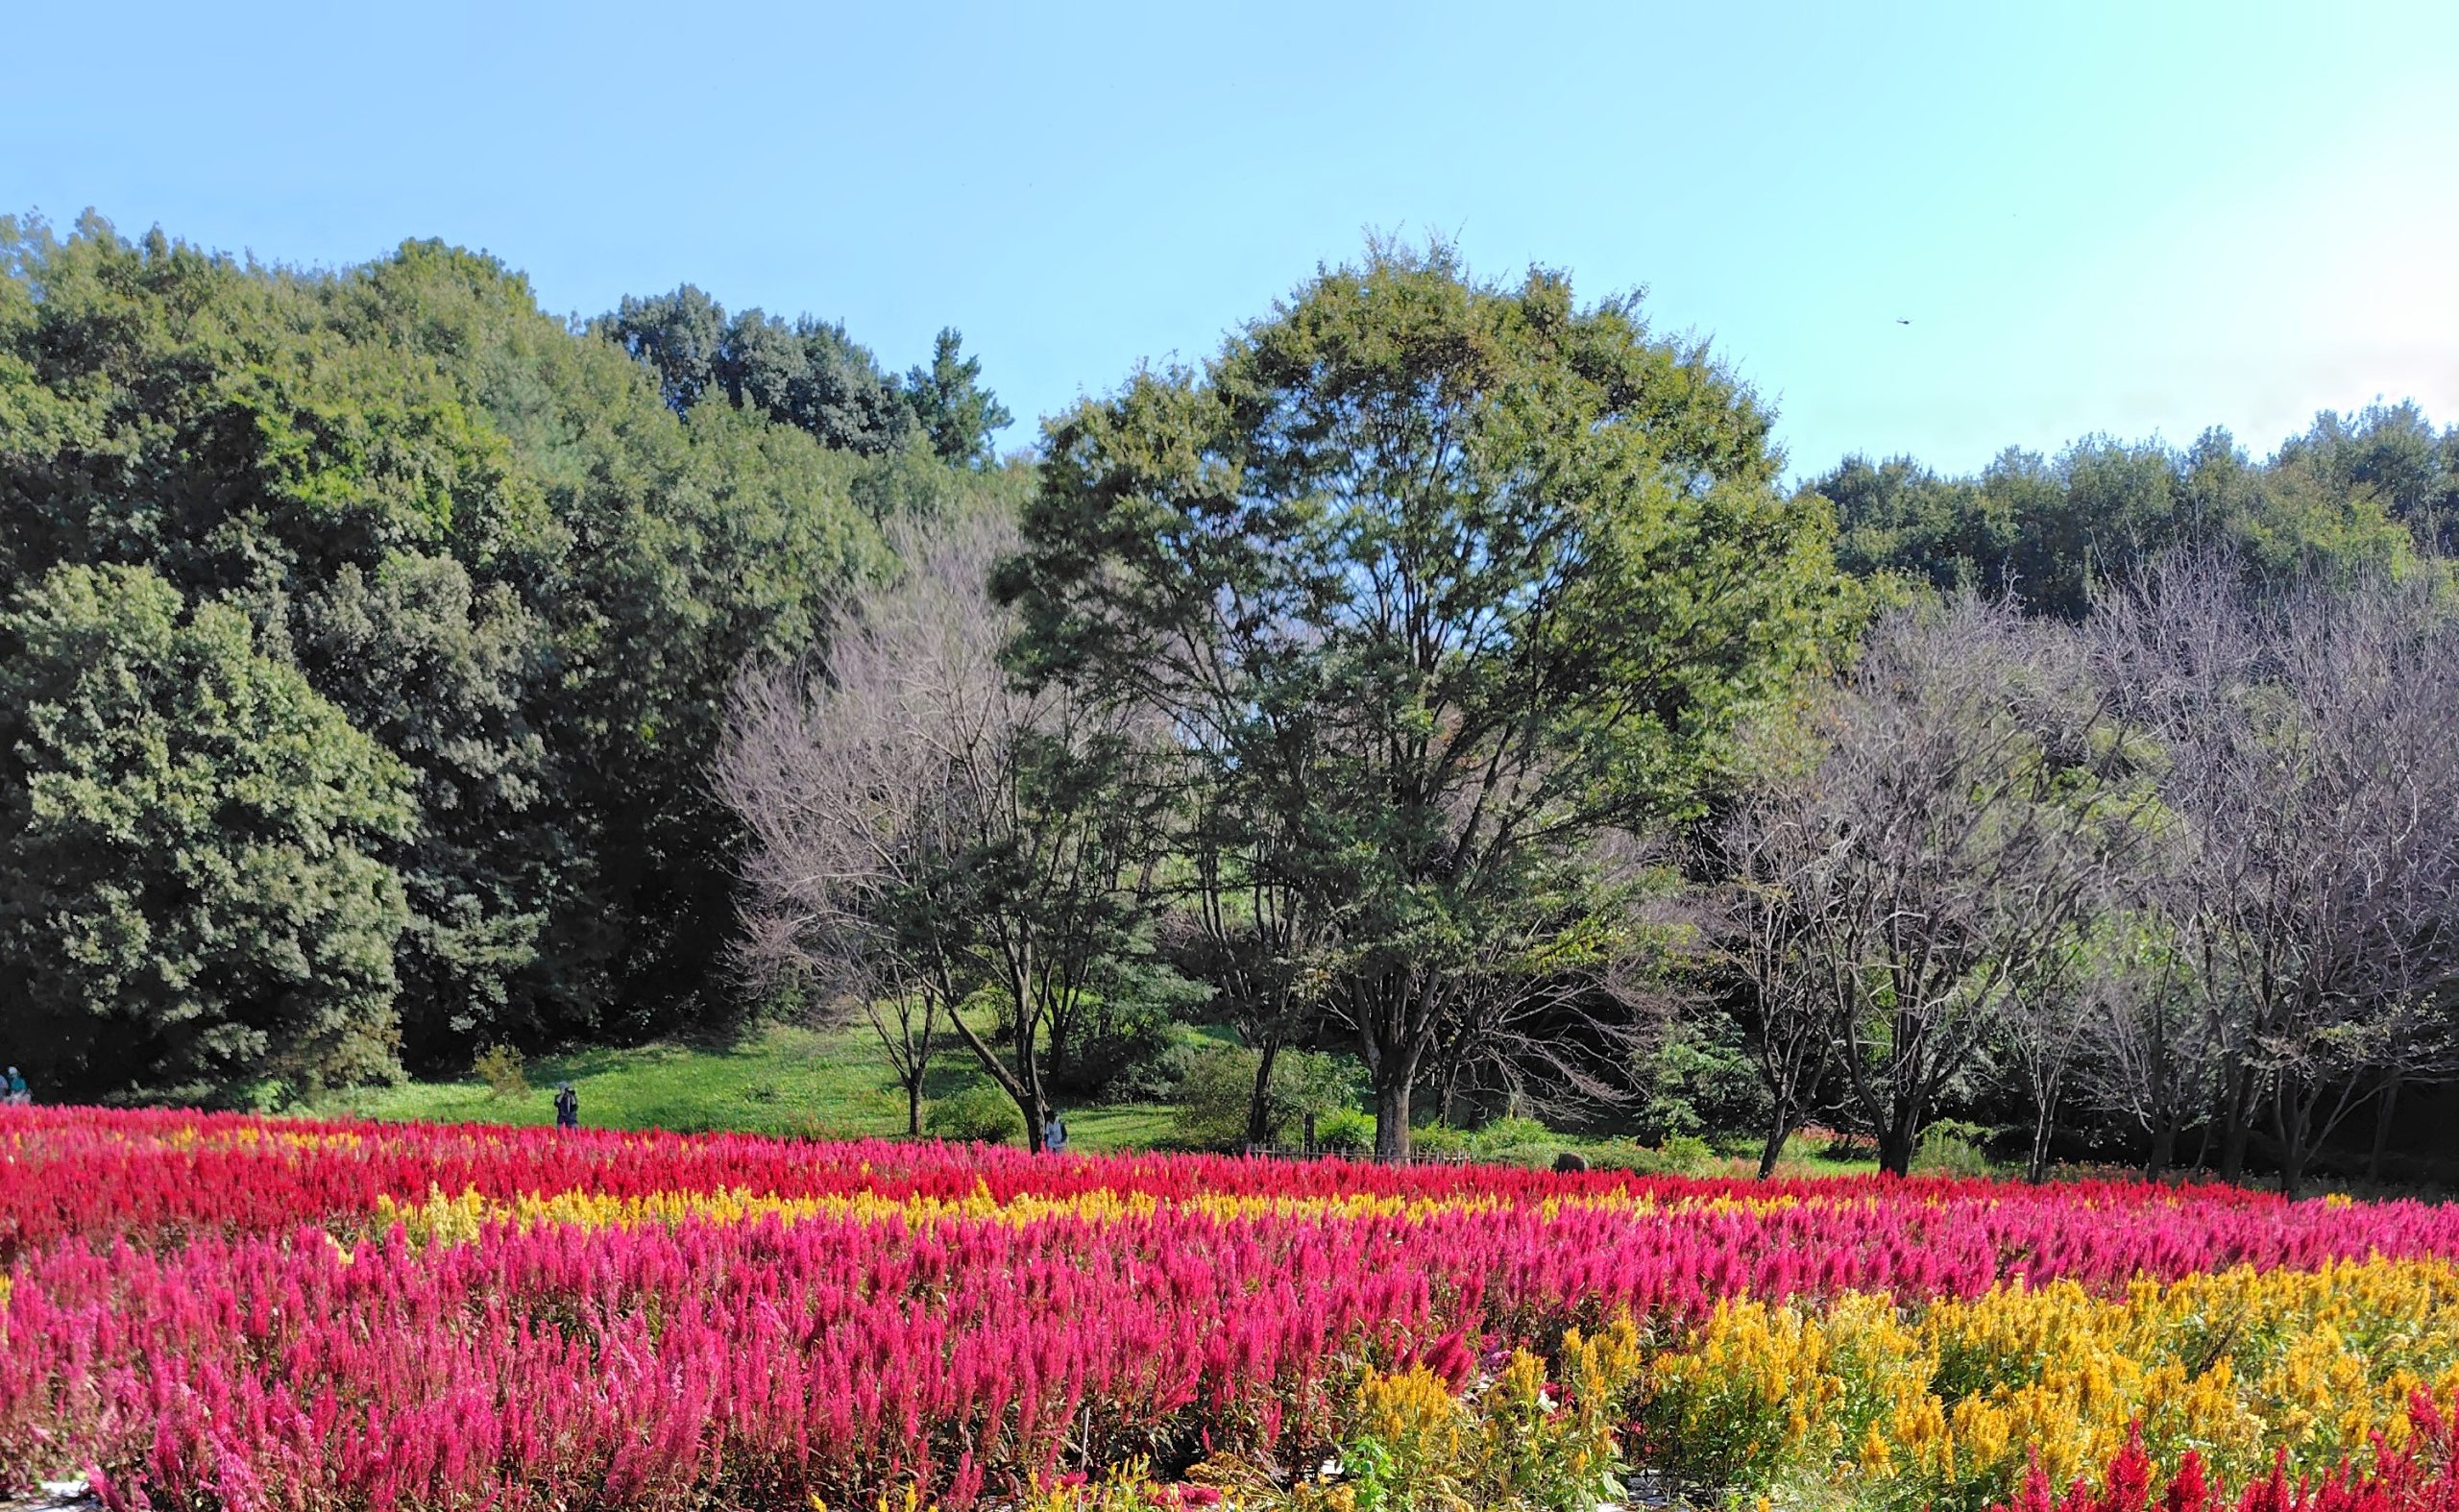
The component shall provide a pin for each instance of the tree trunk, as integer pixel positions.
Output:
(1259, 1101)
(1023, 1083)
(1392, 1085)
(2288, 1122)
(2382, 1131)
(2044, 1124)
(1036, 1111)
(2164, 1149)
(1895, 1147)
(2236, 1125)
(914, 1106)
(1779, 1130)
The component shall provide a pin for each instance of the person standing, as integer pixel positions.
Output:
(567, 1106)
(18, 1096)
(1054, 1135)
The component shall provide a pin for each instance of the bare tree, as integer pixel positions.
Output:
(2312, 765)
(2147, 1056)
(1928, 874)
(926, 829)
(1790, 932)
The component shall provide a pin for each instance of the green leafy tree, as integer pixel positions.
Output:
(190, 889)
(957, 414)
(2350, 498)
(1452, 575)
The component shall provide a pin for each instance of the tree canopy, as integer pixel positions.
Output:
(1446, 578)
(483, 542)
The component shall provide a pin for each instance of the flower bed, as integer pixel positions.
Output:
(212, 1312)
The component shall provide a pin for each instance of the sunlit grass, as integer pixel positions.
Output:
(781, 1080)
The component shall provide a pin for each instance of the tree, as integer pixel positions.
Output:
(956, 414)
(2308, 757)
(681, 336)
(1241, 926)
(1562, 997)
(1789, 928)
(434, 669)
(2149, 1059)
(925, 831)
(1936, 863)
(191, 895)
(1455, 574)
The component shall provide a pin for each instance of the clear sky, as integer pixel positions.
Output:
(2135, 218)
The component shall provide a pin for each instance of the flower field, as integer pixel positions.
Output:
(214, 1311)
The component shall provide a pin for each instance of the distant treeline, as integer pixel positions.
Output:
(2351, 496)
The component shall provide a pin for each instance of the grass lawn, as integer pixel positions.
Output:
(818, 1083)
(784, 1080)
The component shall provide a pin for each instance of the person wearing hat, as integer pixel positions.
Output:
(16, 1087)
(567, 1106)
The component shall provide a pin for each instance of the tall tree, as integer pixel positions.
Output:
(805, 373)
(1456, 575)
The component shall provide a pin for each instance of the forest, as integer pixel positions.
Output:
(1445, 690)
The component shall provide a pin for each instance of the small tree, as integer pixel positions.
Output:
(925, 831)
(1788, 930)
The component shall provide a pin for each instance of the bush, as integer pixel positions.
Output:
(1213, 1090)
(1345, 1131)
(502, 1069)
(985, 1114)
(1130, 1044)
(1504, 1135)
(1310, 1082)
(1950, 1148)
(1210, 1111)
(1682, 1155)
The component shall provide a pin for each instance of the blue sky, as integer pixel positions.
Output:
(2134, 219)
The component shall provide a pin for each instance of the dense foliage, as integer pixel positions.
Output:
(2354, 492)
(453, 577)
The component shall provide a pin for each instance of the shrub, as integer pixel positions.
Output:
(1213, 1090)
(1126, 1052)
(502, 1069)
(985, 1114)
(1683, 1154)
(1210, 1111)
(1345, 1131)
(1508, 1134)
(1950, 1148)
(1310, 1082)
